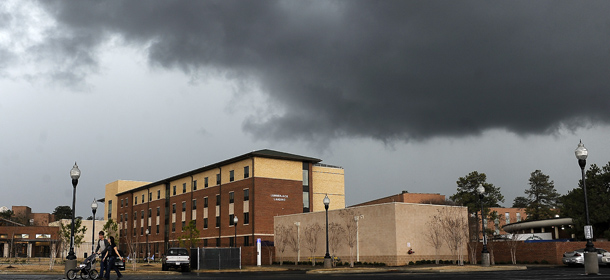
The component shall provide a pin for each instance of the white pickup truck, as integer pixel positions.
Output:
(176, 258)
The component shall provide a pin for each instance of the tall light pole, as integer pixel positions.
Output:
(235, 220)
(93, 209)
(147, 248)
(327, 261)
(591, 265)
(71, 258)
(485, 258)
(356, 219)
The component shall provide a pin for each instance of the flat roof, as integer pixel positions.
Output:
(265, 153)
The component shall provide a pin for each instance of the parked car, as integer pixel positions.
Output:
(577, 257)
(176, 258)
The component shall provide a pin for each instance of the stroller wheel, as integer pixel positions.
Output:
(71, 274)
(93, 274)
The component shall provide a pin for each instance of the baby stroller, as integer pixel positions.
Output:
(86, 269)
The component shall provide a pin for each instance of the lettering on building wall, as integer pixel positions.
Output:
(279, 197)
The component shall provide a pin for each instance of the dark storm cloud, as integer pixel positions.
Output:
(381, 69)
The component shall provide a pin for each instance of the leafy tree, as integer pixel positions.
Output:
(467, 195)
(598, 194)
(6, 214)
(541, 196)
(191, 233)
(520, 202)
(65, 232)
(62, 212)
(111, 228)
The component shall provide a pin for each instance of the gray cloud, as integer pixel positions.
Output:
(387, 70)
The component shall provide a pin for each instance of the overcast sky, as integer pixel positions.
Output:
(405, 95)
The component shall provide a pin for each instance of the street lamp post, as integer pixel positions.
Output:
(591, 265)
(71, 258)
(93, 209)
(327, 261)
(485, 258)
(147, 247)
(235, 220)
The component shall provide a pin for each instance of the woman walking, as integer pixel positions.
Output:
(111, 254)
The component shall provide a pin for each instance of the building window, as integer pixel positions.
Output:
(217, 200)
(109, 209)
(246, 240)
(158, 211)
(135, 200)
(217, 221)
(218, 179)
(231, 242)
(149, 212)
(183, 206)
(217, 242)
(305, 187)
(194, 204)
(246, 194)
(174, 208)
(231, 197)
(518, 217)
(183, 187)
(195, 185)
(135, 216)
(183, 224)
(205, 223)
(246, 218)
(246, 172)
(141, 231)
(231, 175)
(157, 229)
(142, 214)
(121, 203)
(174, 227)
(174, 193)
(143, 198)
(507, 217)
(205, 182)
(121, 218)
(205, 202)
(205, 243)
(149, 197)
(158, 194)
(231, 223)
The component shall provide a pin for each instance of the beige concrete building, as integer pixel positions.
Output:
(85, 246)
(383, 233)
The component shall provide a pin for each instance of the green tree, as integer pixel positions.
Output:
(467, 195)
(62, 212)
(598, 194)
(65, 234)
(6, 214)
(111, 228)
(190, 236)
(520, 202)
(542, 197)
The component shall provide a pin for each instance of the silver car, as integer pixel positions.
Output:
(578, 258)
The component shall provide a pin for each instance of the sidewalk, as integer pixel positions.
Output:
(155, 268)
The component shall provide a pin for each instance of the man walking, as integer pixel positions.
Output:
(102, 247)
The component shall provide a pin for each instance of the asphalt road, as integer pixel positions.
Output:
(534, 273)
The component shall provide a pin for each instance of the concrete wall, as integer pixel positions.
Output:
(385, 232)
(551, 252)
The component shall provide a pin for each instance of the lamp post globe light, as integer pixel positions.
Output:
(235, 220)
(71, 258)
(147, 247)
(485, 258)
(591, 265)
(327, 262)
(93, 209)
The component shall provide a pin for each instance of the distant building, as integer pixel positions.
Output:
(504, 217)
(27, 234)
(253, 187)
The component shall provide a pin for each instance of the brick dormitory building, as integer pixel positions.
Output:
(253, 187)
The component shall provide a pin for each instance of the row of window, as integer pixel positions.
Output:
(245, 221)
(246, 173)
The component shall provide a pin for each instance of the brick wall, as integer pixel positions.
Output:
(551, 252)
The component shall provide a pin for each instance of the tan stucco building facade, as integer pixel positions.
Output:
(385, 233)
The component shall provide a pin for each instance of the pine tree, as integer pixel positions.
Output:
(467, 195)
(542, 197)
